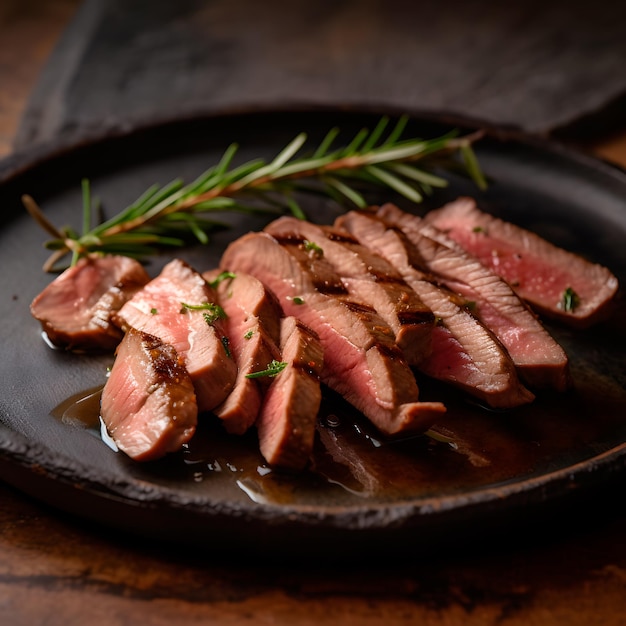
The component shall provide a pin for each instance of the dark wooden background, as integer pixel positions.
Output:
(69, 68)
(552, 67)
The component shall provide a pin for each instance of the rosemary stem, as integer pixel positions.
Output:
(162, 214)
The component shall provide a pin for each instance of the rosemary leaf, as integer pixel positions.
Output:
(226, 160)
(295, 209)
(395, 183)
(353, 146)
(306, 165)
(324, 146)
(345, 190)
(277, 163)
(418, 175)
(395, 154)
(375, 135)
(396, 133)
(473, 168)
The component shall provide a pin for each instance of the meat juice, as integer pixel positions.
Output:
(469, 448)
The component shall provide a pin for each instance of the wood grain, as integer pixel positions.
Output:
(29, 30)
(56, 571)
(526, 64)
(53, 571)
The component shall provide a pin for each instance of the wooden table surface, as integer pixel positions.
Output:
(53, 570)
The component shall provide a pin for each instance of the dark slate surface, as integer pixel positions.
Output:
(535, 65)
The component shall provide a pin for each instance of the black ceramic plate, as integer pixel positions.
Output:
(368, 494)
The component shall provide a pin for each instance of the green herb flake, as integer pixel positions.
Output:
(212, 311)
(226, 343)
(570, 300)
(153, 311)
(297, 300)
(273, 369)
(216, 314)
(249, 334)
(313, 248)
(441, 438)
(220, 278)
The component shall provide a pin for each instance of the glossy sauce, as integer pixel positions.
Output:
(474, 447)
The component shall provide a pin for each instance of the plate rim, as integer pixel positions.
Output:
(18, 450)
(36, 154)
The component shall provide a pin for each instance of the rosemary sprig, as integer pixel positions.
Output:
(169, 215)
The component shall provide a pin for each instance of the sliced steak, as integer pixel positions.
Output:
(148, 402)
(180, 308)
(361, 360)
(541, 273)
(287, 422)
(465, 353)
(253, 328)
(540, 360)
(370, 278)
(246, 299)
(75, 308)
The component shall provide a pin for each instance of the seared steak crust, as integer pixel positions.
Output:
(539, 272)
(246, 299)
(253, 329)
(170, 307)
(75, 309)
(148, 402)
(361, 360)
(465, 353)
(287, 421)
(368, 277)
(540, 360)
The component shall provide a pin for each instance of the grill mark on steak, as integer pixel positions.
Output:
(465, 353)
(253, 328)
(540, 360)
(158, 310)
(538, 271)
(318, 274)
(287, 421)
(324, 278)
(416, 317)
(384, 389)
(148, 403)
(358, 307)
(76, 308)
(367, 277)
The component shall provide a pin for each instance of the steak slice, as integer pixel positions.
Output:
(368, 277)
(75, 309)
(465, 353)
(540, 360)
(287, 422)
(253, 328)
(361, 360)
(180, 308)
(246, 299)
(540, 273)
(148, 403)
